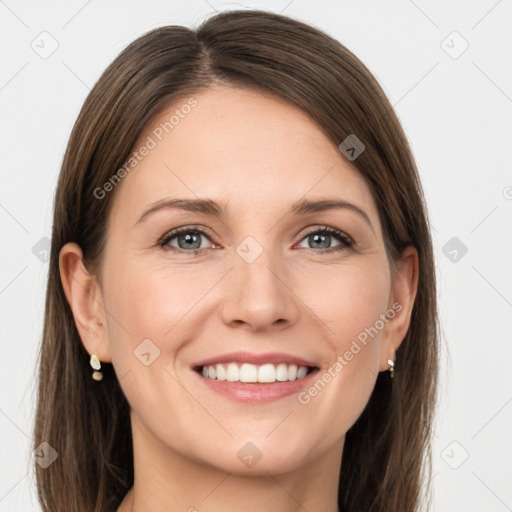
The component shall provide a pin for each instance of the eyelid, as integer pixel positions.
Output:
(345, 240)
(185, 229)
(328, 229)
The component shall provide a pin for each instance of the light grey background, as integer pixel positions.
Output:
(456, 109)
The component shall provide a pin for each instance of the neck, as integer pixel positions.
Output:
(167, 480)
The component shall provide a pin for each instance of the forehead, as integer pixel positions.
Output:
(248, 149)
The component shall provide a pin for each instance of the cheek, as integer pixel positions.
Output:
(154, 301)
(152, 316)
(343, 387)
(348, 298)
(351, 302)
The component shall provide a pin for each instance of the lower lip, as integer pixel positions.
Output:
(257, 392)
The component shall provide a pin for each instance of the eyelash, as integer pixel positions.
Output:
(346, 241)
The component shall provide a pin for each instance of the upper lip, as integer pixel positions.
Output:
(256, 359)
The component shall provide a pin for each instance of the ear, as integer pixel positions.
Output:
(403, 293)
(85, 299)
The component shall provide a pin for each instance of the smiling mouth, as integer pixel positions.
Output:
(250, 373)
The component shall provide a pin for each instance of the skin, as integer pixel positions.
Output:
(257, 154)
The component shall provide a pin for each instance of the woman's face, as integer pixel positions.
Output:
(268, 286)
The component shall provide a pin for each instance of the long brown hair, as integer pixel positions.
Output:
(386, 458)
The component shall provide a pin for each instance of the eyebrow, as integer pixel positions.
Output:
(209, 207)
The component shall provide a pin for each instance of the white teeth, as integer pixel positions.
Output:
(301, 372)
(232, 373)
(281, 372)
(221, 372)
(266, 373)
(248, 373)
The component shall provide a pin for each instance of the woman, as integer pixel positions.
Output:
(241, 252)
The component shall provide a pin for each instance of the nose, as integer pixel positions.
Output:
(259, 295)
